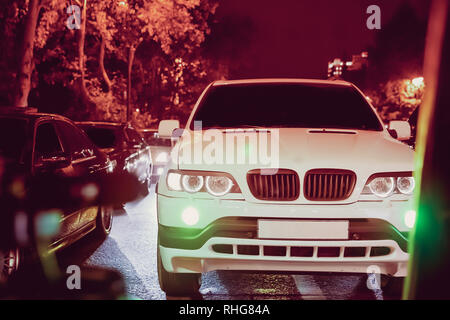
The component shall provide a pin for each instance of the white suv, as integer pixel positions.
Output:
(333, 193)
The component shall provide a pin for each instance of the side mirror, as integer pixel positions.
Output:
(176, 135)
(166, 127)
(56, 162)
(401, 128)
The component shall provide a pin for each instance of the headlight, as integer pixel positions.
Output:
(192, 184)
(174, 181)
(162, 157)
(385, 184)
(111, 166)
(215, 183)
(406, 185)
(382, 187)
(218, 186)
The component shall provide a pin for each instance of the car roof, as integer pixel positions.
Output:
(28, 114)
(101, 124)
(282, 80)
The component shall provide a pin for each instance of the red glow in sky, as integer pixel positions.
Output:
(296, 38)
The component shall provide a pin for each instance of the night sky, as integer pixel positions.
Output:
(297, 38)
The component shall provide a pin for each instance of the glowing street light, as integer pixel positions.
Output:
(123, 5)
(418, 82)
(413, 87)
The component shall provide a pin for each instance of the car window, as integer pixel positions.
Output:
(102, 137)
(75, 141)
(47, 143)
(286, 106)
(13, 138)
(134, 137)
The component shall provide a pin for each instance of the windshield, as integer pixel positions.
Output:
(286, 106)
(102, 137)
(13, 134)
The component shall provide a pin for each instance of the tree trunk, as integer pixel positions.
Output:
(25, 68)
(102, 69)
(81, 56)
(130, 69)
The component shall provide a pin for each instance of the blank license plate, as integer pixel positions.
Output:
(303, 230)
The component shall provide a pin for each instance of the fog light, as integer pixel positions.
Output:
(410, 218)
(190, 216)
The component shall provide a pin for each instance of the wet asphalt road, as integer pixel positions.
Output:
(131, 249)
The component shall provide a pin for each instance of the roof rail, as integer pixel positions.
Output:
(18, 110)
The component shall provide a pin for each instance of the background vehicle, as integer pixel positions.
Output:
(35, 144)
(161, 147)
(333, 203)
(125, 147)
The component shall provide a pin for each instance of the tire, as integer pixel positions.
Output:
(10, 260)
(104, 221)
(178, 284)
(392, 286)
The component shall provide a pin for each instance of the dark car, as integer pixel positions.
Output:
(124, 146)
(37, 144)
(160, 148)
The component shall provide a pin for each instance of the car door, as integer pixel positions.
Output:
(86, 159)
(47, 145)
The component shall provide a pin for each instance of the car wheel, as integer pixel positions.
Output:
(104, 221)
(9, 263)
(178, 284)
(392, 286)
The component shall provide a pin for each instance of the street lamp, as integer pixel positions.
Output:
(418, 82)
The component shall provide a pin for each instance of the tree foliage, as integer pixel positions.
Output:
(154, 43)
(394, 61)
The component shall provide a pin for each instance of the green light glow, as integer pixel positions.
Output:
(48, 223)
(410, 218)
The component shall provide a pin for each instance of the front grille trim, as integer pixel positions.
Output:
(282, 186)
(328, 184)
(305, 252)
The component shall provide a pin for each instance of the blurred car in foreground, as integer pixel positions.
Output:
(336, 196)
(35, 144)
(125, 147)
(161, 147)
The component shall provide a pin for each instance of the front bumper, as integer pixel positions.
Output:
(225, 238)
(207, 259)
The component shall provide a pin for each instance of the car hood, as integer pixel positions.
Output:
(363, 152)
(311, 148)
